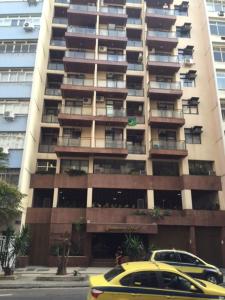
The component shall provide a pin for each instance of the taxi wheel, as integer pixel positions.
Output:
(211, 278)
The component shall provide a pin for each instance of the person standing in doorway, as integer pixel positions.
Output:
(119, 256)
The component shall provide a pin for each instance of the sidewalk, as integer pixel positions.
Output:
(26, 278)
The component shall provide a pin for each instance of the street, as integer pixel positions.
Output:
(45, 294)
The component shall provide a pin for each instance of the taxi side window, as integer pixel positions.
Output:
(185, 258)
(167, 256)
(140, 279)
(172, 281)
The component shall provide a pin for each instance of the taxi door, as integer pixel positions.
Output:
(190, 265)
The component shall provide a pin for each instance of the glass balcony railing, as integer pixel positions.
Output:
(135, 67)
(163, 58)
(60, 21)
(134, 1)
(78, 81)
(166, 113)
(112, 84)
(108, 143)
(135, 149)
(67, 141)
(80, 54)
(53, 92)
(134, 43)
(83, 7)
(56, 66)
(58, 43)
(50, 119)
(135, 92)
(135, 119)
(163, 12)
(82, 30)
(46, 148)
(165, 85)
(82, 110)
(62, 1)
(162, 34)
(168, 145)
(113, 10)
(112, 32)
(111, 57)
(134, 21)
(110, 112)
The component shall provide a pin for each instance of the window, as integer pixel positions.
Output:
(186, 258)
(219, 54)
(141, 279)
(186, 82)
(165, 168)
(217, 28)
(68, 165)
(167, 256)
(222, 104)
(19, 107)
(201, 167)
(18, 47)
(46, 166)
(215, 5)
(220, 77)
(175, 282)
(16, 76)
(113, 273)
(183, 31)
(190, 107)
(192, 136)
(18, 21)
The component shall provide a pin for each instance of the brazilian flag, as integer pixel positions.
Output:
(132, 121)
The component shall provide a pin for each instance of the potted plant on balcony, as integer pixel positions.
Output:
(75, 172)
(134, 247)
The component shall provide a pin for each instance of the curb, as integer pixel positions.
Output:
(38, 286)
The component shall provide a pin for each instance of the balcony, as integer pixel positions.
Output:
(135, 92)
(78, 35)
(159, 2)
(167, 149)
(58, 42)
(112, 88)
(71, 146)
(111, 117)
(73, 87)
(134, 43)
(136, 149)
(119, 2)
(112, 15)
(134, 21)
(162, 40)
(84, 61)
(55, 66)
(164, 90)
(59, 21)
(160, 64)
(112, 62)
(46, 148)
(112, 38)
(50, 119)
(78, 14)
(160, 18)
(53, 92)
(135, 67)
(75, 116)
(168, 118)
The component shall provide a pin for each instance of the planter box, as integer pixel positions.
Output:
(137, 219)
(73, 261)
(22, 261)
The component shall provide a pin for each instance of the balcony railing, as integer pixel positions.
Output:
(162, 34)
(49, 119)
(107, 143)
(56, 66)
(168, 145)
(135, 67)
(58, 43)
(136, 149)
(134, 21)
(74, 142)
(163, 12)
(135, 92)
(136, 119)
(112, 32)
(163, 58)
(78, 81)
(111, 57)
(83, 7)
(165, 85)
(53, 92)
(46, 148)
(62, 1)
(134, 1)
(134, 43)
(113, 10)
(60, 21)
(166, 113)
(83, 111)
(112, 84)
(82, 30)
(80, 55)
(104, 111)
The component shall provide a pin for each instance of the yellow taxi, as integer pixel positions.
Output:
(151, 281)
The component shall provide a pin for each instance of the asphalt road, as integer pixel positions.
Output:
(45, 294)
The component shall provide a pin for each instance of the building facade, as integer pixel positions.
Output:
(127, 134)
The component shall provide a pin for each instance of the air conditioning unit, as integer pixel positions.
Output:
(188, 61)
(102, 49)
(221, 13)
(9, 115)
(100, 99)
(111, 26)
(28, 26)
(5, 150)
(86, 101)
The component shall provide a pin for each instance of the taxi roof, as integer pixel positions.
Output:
(147, 265)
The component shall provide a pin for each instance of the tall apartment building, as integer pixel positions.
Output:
(127, 140)
(22, 37)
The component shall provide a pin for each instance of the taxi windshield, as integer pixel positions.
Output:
(113, 273)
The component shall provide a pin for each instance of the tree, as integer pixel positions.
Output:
(10, 199)
(3, 159)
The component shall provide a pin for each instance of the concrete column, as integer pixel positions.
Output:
(221, 200)
(89, 197)
(91, 165)
(192, 240)
(55, 197)
(186, 199)
(150, 199)
(93, 134)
